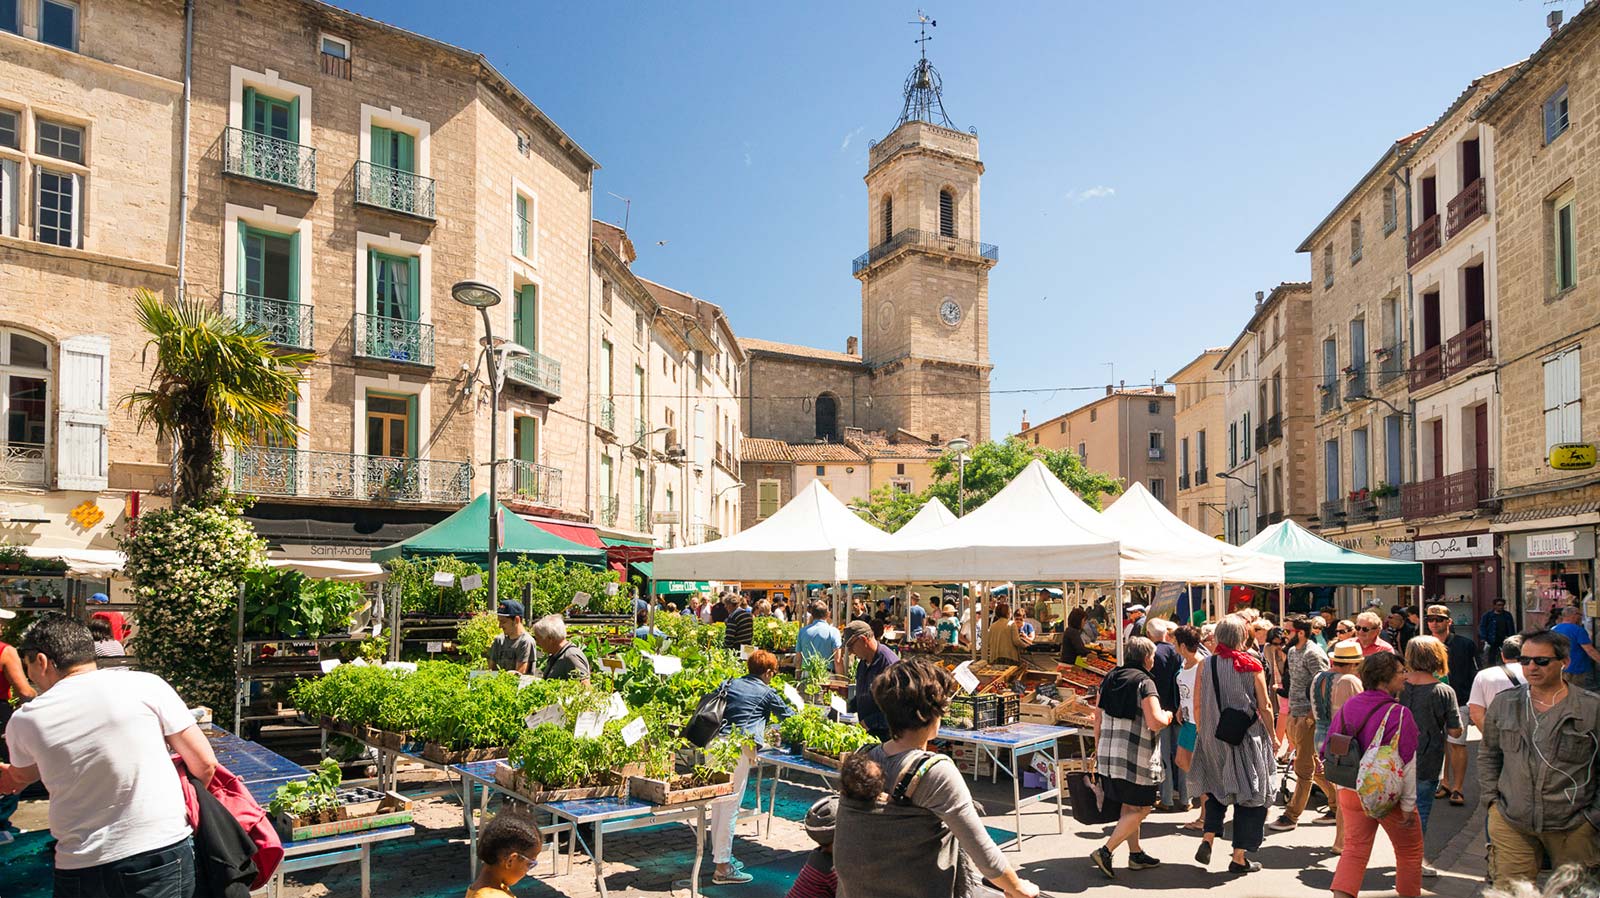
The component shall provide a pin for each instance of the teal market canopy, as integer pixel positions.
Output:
(465, 535)
(1310, 560)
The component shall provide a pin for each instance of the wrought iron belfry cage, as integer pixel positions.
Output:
(924, 93)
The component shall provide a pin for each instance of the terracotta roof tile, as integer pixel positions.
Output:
(760, 450)
(813, 453)
(613, 237)
(751, 344)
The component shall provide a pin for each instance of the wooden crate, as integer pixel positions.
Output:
(536, 793)
(830, 760)
(438, 754)
(391, 810)
(668, 792)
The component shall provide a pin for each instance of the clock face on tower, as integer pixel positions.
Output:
(950, 313)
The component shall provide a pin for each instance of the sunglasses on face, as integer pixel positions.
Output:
(1539, 660)
(1366, 629)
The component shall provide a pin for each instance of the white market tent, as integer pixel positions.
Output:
(1158, 546)
(1033, 529)
(933, 516)
(807, 540)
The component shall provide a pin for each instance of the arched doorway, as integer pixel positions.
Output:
(828, 418)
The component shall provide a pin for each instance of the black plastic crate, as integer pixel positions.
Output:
(979, 712)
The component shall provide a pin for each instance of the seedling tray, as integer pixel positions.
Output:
(676, 790)
(536, 793)
(438, 754)
(388, 809)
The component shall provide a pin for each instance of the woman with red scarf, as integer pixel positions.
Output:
(1233, 756)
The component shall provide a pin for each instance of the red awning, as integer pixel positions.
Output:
(583, 534)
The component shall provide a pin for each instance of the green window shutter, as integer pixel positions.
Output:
(527, 317)
(404, 152)
(527, 446)
(252, 115)
(413, 288)
(242, 277)
(372, 282)
(411, 426)
(380, 146)
(294, 120)
(294, 267)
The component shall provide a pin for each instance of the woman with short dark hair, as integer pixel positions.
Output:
(1074, 641)
(924, 836)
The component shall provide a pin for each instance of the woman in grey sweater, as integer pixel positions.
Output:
(906, 825)
(1237, 776)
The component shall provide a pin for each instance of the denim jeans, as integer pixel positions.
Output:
(1425, 790)
(1174, 791)
(163, 873)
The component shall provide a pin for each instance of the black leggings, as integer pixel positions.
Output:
(1248, 823)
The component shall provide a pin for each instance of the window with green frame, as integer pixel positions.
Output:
(525, 317)
(268, 283)
(525, 431)
(394, 149)
(393, 286)
(524, 228)
(271, 116)
(1565, 246)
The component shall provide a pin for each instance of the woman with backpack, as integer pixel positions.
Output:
(1128, 756)
(1234, 759)
(906, 825)
(1383, 734)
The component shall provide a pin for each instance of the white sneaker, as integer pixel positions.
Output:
(6, 838)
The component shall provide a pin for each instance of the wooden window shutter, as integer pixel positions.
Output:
(81, 459)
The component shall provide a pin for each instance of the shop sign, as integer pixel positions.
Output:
(663, 587)
(1572, 456)
(1449, 548)
(1403, 551)
(86, 514)
(1553, 545)
(326, 552)
(666, 517)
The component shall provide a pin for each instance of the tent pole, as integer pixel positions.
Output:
(977, 616)
(1283, 600)
(1121, 602)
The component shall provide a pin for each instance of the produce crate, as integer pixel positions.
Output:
(677, 790)
(977, 712)
(1036, 713)
(370, 810)
(536, 793)
(833, 761)
(438, 754)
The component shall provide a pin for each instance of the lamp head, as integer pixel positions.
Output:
(509, 350)
(959, 444)
(475, 294)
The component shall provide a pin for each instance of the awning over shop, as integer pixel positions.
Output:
(646, 569)
(98, 564)
(465, 535)
(342, 532)
(572, 531)
(1310, 560)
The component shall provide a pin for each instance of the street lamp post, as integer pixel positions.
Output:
(959, 446)
(483, 297)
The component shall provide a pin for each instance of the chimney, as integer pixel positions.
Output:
(1261, 297)
(1554, 21)
(1110, 389)
(1025, 424)
(1122, 385)
(849, 345)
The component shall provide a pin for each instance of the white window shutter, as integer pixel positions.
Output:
(1571, 398)
(81, 457)
(8, 197)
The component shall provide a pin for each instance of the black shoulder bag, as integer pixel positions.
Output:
(706, 721)
(1232, 724)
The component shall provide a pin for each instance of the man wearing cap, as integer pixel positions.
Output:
(1462, 659)
(513, 648)
(1135, 614)
(875, 658)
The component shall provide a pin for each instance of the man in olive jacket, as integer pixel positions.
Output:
(1536, 767)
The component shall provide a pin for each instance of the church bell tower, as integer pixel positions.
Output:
(925, 275)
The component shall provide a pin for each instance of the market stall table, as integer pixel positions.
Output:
(780, 761)
(606, 815)
(1017, 740)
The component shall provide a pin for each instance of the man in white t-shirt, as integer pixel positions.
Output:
(101, 741)
(1491, 681)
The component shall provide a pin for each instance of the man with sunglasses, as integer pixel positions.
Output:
(1368, 627)
(1462, 664)
(1536, 768)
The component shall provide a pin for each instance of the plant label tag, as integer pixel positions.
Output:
(402, 666)
(615, 663)
(790, 693)
(328, 664)
(434, 647)
(524, 679)
(444, 578)
(581, 599)
(666, 665)
(471, 582)
(612, 589)
(551, 714)
(838, 705)
(634, 731)
(358, 662)
(474, 674)
(965, 678)
(617, 709)
(589, 726)
(745, 651)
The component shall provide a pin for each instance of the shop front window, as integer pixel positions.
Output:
(1546, 585)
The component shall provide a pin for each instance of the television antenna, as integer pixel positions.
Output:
(627, 207)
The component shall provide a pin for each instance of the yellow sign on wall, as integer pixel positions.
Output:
(86, 514)
(1572, 456)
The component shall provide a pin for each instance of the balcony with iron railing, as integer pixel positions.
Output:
(1156, 453)
(606, 415)
(1388, 505)
(1261, 436)
(284, 323)
(1423, 240)
(1183, 480)
(696, 534)
(537, 372)
(1391, 362)
(605, 510)
(925, 240)
(1329, 390)
(526, 483)
(1471, 204)
(1200, 476)
(641, 429)
(641, 520)
(1455, 493)
(1355, 383)
(394, 190)
(1331, 514)
(271, 160)
(24, 464)
(1274, 428)
(1472, 345)
(1360, 507)
(393, 340)
(311, 474)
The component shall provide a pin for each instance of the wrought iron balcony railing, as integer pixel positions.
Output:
(1391, 362)
(284, 323)
(309, 474)
(393, 189)
(1423, 240)
(641, 520)
(393, 339)
(695, 534)
(529, 484)
(1183, 481)
(263, 158)
(1467, 348)
(925, 240)
(1427, 367)
(641, 429)
(1157, 453)
(1274, 429)
(1468, 206)
(1388, 506)
(1451, 494)
(1360, 507)
(1355, 384)
(1332, 514)
(1329, 388)
(24, 464)
(1200, 476)
(605, 508)
(537, 371)
(607, 418)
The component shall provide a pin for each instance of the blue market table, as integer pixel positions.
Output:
(782, 761)
(1016, 741)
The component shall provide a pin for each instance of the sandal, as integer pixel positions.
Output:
(1441, 792)
(1457, 799)
(1195, 825)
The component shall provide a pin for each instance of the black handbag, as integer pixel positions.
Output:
(1090, 806)
(706, 722)
(1232, 724)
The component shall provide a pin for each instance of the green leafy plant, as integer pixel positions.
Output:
(722, 754)
(474, 637)
(815, 672)
(775, 635)
(812, 729)
(304, 797)
(282, 602)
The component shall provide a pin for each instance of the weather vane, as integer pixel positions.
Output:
(923, 23)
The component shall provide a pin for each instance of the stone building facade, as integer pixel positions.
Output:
(1128, 434)
(1358, 334)
(90, 116)
(1199, 416)
(1546, 124)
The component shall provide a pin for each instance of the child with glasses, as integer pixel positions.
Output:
(508, 847)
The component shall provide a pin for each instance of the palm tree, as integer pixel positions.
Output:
(215, 380)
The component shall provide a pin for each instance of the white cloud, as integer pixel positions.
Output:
(1097, 192)
(845, 144)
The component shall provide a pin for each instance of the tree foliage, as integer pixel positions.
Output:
(215, 380)
(990, 466)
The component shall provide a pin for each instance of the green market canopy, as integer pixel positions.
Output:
(465, 535)
(1310, 560)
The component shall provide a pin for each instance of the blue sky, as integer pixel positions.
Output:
(1148, 167)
